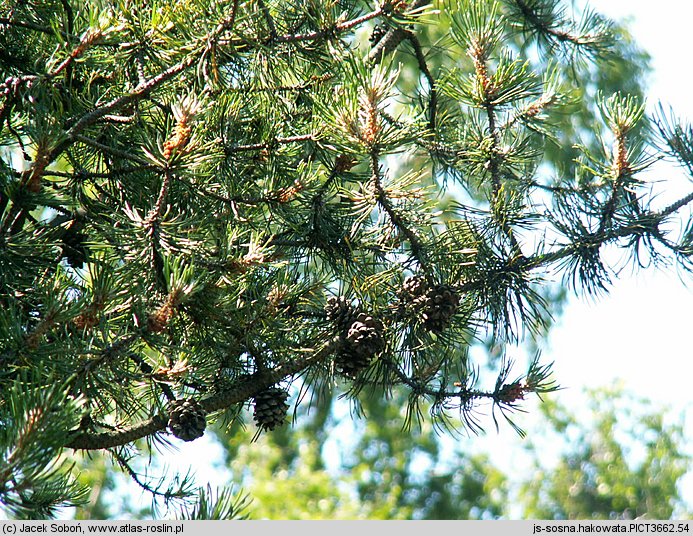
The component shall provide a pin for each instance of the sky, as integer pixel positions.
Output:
(647, 309)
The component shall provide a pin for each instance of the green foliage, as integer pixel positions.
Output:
(616, 457)
(33, 428)
(627, 464)
(206, 201)
(323, 470)
(224, 505)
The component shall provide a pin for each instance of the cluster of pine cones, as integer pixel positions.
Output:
(187, 419)
(435, 305)
(361, 336)
(360, 340)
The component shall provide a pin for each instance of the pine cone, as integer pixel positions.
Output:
(365, 335)
(435, 305)
(363, 341)
(270, 408)
(73, 247)
(511, 392)
(339, 311)
(349, 363)
(186, 419)
(412, 289)
(377, 34)
(440, 306)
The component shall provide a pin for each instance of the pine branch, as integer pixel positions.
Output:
(146, 88)
(595, 39)
(116, 172)
(125, 466)
(391, 40)
(494, 151)
(270, 144)
(417, 248)
(536, 21)
(126, 155)
(242, 390)
(432, 91)
(6, 21)
(219, 270)
(338, 28)
(268, 19)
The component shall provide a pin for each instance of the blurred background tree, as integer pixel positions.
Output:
(627, 463)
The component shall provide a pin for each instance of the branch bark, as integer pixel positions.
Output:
(241, 391)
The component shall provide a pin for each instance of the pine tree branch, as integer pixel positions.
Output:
(417, 248)
(432, 91)
(111, 352)
(494, 170)
(562, 36)
(126, 155)
(532, 17)
(145, 89)
(142, 91)
(326, 32)
(6, 21)
(268, 19)
(118, 103)
(596, 240)
(106, 175)
(391, 40)
(419, 388)
(270, 144)
(239, 392)
(152, 225)
(675, 207)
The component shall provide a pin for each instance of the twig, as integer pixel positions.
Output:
(111, 150)
(151, 224)
(432, 92)
(269, 144)
(559, 35)
(326, 32)
(417, 247)
(135, 477)
(5, 21)
(268, 18)
(391, 39)
(674, 207)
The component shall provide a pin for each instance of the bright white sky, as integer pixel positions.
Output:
(639, 332)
